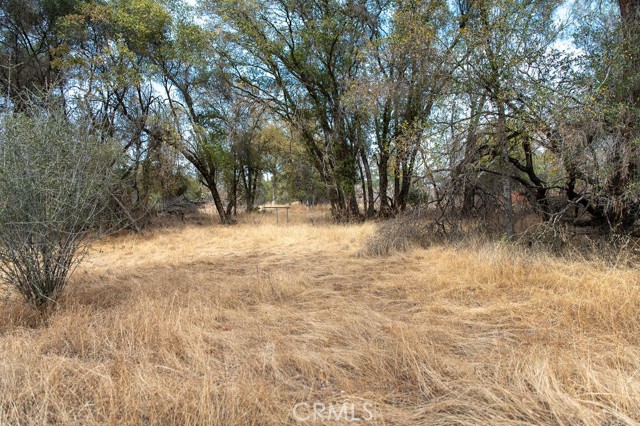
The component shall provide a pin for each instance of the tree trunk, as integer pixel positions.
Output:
(345, 179)
(506, 178)
(369, 199)
(249, 183)
(363, 182)
(225, 218)
(407, 175)
(396, 184)
(383, 170)
(382, 136)
(209, 180)
(233, 194)
(470, 157)
(629, 10)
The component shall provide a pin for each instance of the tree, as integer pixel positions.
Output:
(55, 181)
(28, 46)
(127, 58)
(104, 60)
(249, 146)
(597, 140)
(300, 58)
(407, 73)
(508, 71)
(197, 88)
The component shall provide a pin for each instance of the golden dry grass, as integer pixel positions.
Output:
(235, 325)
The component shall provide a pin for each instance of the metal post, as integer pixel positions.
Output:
(287, 215)
(276, 215)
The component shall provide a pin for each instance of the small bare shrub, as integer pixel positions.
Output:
(412, 229)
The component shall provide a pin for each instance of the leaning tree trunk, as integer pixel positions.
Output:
(225, 218)
(208, 173)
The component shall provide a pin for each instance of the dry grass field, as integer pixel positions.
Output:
(202, 324)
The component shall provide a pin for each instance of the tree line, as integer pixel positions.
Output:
(474, 108)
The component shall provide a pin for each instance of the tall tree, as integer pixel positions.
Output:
(407, 72)
(504, 45)
(300, 58)
(603, 178)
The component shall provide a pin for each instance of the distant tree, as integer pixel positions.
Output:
(292, 176)
(249, 147)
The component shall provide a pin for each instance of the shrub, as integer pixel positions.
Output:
(55, 178)
(415, 228)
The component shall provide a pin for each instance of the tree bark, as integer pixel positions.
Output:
(506, 178)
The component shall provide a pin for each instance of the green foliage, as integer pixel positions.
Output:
(143, 24)
(302, 65)
(312, 100)
(55, 9)
(195, 191)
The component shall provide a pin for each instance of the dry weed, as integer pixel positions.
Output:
(235, 325)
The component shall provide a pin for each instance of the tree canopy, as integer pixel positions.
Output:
(472, 108)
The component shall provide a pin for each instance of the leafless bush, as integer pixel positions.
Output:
(423, 227)
(440, 218)
(54, 188)
(415, 228)
(587, 244)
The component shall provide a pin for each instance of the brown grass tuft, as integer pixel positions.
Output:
(234, 325)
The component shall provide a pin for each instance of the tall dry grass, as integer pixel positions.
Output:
(204, 324)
